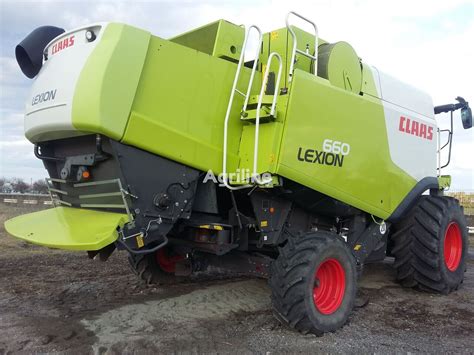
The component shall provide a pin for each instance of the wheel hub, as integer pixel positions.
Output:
(329, 286)
(452, 246)
(166, 261)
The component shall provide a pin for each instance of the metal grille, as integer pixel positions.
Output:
(85, 197)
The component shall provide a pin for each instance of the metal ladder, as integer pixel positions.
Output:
(245, 95)
(255, 175)
(295, 50)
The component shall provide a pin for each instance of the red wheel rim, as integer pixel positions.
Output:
(452, 246)
(329, 286)
(167, 262)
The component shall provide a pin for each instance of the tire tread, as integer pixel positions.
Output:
(288, 279)
(416, 244)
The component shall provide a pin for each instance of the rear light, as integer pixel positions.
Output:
(82, 174)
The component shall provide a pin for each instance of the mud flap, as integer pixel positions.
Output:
(68, 228)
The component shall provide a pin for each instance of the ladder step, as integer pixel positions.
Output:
(267, 100)
(265, 116)
(240, 92)
(306, 54)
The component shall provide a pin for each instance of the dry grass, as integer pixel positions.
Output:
(466, 199)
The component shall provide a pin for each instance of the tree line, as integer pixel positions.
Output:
(17, 185)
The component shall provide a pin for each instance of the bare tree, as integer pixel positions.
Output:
(19, 185)
(39, 186)
(6, 185)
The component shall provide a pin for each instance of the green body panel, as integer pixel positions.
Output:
(280, 41)
(201, 39)
(268, 147)
(104, 93)
(67, 228)
(368, 178)
(180, 105)
(220, 39)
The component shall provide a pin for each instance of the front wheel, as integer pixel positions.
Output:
(313, 283)
(430, 245)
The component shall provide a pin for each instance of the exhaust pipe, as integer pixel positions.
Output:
(29, 52)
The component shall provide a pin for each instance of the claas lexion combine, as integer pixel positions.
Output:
(301, 164)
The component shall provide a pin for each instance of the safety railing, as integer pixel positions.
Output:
(296, 50)
(449, 142)
(245, 95)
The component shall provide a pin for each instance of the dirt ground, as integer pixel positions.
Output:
(55, 301)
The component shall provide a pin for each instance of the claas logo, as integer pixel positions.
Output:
(411, 126)
(63, 44)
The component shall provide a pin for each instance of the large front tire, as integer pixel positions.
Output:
(430, 245)
(313, 283)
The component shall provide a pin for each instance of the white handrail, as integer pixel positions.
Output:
(272, 55)
(231, 100)
(296, 50)
(439, 152)
(254, 67)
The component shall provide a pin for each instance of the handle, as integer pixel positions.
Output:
(296, 50)
(144, 251)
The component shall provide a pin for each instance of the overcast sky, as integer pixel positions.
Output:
(428, 43)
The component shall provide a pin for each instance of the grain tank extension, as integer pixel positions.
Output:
(301, 164)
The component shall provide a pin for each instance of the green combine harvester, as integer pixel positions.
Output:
(301, 164)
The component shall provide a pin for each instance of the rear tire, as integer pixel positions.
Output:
(313, 283)
(430, 245)
(156, 268)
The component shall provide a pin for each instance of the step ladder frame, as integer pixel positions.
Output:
(246, 95)
(295, 50)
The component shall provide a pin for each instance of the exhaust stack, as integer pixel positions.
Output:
(29, 52)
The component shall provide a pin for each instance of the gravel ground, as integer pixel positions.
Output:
(55, 301)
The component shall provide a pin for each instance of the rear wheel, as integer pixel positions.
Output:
(156, 268)
(313, 283)
(430, 245)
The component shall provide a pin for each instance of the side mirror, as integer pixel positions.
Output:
(466, 117)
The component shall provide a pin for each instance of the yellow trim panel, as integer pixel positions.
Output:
(67, 228)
